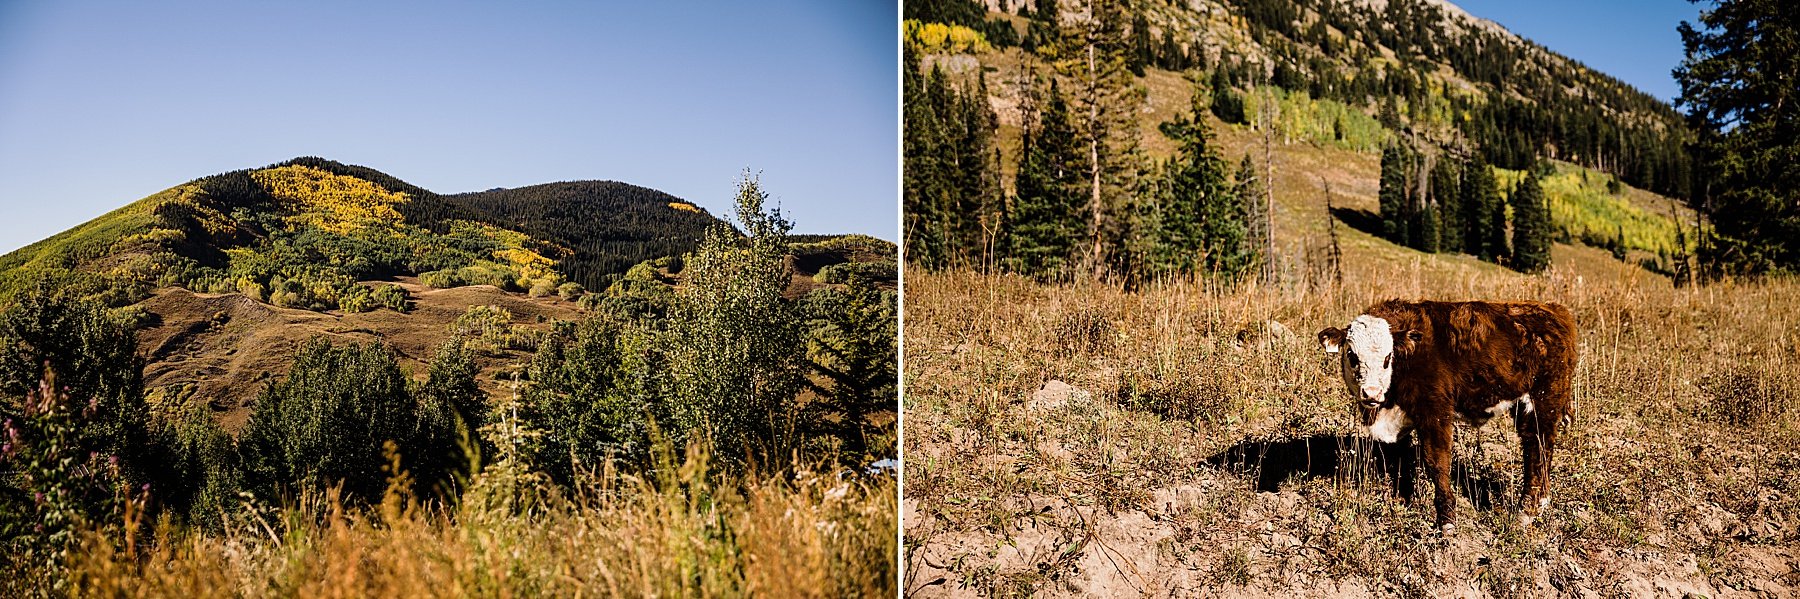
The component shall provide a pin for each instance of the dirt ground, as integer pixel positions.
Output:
(225, 347)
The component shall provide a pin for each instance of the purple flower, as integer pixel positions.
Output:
(112, 459)
(39, 496)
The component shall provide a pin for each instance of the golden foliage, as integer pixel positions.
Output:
(938, 37)
(331, 202)
(684, 206)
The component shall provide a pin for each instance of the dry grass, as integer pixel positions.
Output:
(689, 533)
(1678, 474)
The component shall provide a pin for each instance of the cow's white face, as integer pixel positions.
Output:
(1367, 365)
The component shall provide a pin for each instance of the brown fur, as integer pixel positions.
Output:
(1462, 359)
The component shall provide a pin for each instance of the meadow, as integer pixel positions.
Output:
(1191, 439)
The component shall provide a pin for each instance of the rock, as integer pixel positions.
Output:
(1054, 395)
(1268, 333)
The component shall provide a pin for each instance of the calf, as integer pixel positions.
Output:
(1422, 366)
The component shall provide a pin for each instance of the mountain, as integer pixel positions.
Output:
(225, 277)
(1017, 143)
(607, 226)
(300, 233)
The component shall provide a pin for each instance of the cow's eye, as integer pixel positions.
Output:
(1352, 356)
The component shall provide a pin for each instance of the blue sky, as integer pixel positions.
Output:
(1633, 40)
(103, 103)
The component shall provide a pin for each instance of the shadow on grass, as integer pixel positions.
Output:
(1347, 459)
(1361, 220)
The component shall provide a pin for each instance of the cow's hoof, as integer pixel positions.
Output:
(1446, 529)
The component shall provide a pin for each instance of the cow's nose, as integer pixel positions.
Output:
(1371, 392)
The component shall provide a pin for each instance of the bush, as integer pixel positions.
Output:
(542, 288)
(441, 279)
(392, 297)
(735, 353)
(842, 273)
(450, 411)
(490, 328)
(56, 485)
(589, 389)
(570, 291)
(96, 360)
(201, 472)
(326, 421)
(356, 299)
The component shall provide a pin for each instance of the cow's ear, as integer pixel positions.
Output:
(1331, 339)
(1408, 340)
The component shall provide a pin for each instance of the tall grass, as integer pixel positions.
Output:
(1685, 443)
(689, 530)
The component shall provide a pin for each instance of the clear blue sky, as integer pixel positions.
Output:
(1633, 40)
(103, 103)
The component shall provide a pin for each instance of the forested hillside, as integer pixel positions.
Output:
(1142, 140)
(606, 226)
(301, 233)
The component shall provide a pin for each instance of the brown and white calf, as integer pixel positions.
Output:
(1423, 366)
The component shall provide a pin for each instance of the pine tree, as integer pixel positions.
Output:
(1251, 190)
(1226, 103)
(1045, 222)
(1395, 200)
(1446, 186)
(1531, 225)
(1480, 222)
(1201, 225)
(1738, 86)
(1104, 104)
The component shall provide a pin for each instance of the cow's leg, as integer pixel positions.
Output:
(1406, 468)
(1537, 439)
(1435, 438)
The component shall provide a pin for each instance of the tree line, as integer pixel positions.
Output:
(1444, 202)
(1084, 199)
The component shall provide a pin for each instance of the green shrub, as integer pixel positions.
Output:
(883, 270)
(201, 474)
(490, 328)
(590, 393)
(542, 288)
(96, 360)
(450, 412)
(55, 486)
(326, 421)
(570, 291)
(441, 279)
(392, 297)
(356, 299)
(735, 351)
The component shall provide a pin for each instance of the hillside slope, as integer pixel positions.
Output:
(301, 232)
(225, 277)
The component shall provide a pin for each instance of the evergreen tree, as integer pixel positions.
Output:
(1226, 103)
(1738, 86)
(1251, 193)
(1104, 102)
(1496, 244)
(1446, 188)
(1201, 226)
(1395, 201)
(1479, 198)
(1045, 222)
(951, 177)
(1531, 225)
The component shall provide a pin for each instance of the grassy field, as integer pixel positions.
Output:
(1188, 440)
(688, 532)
